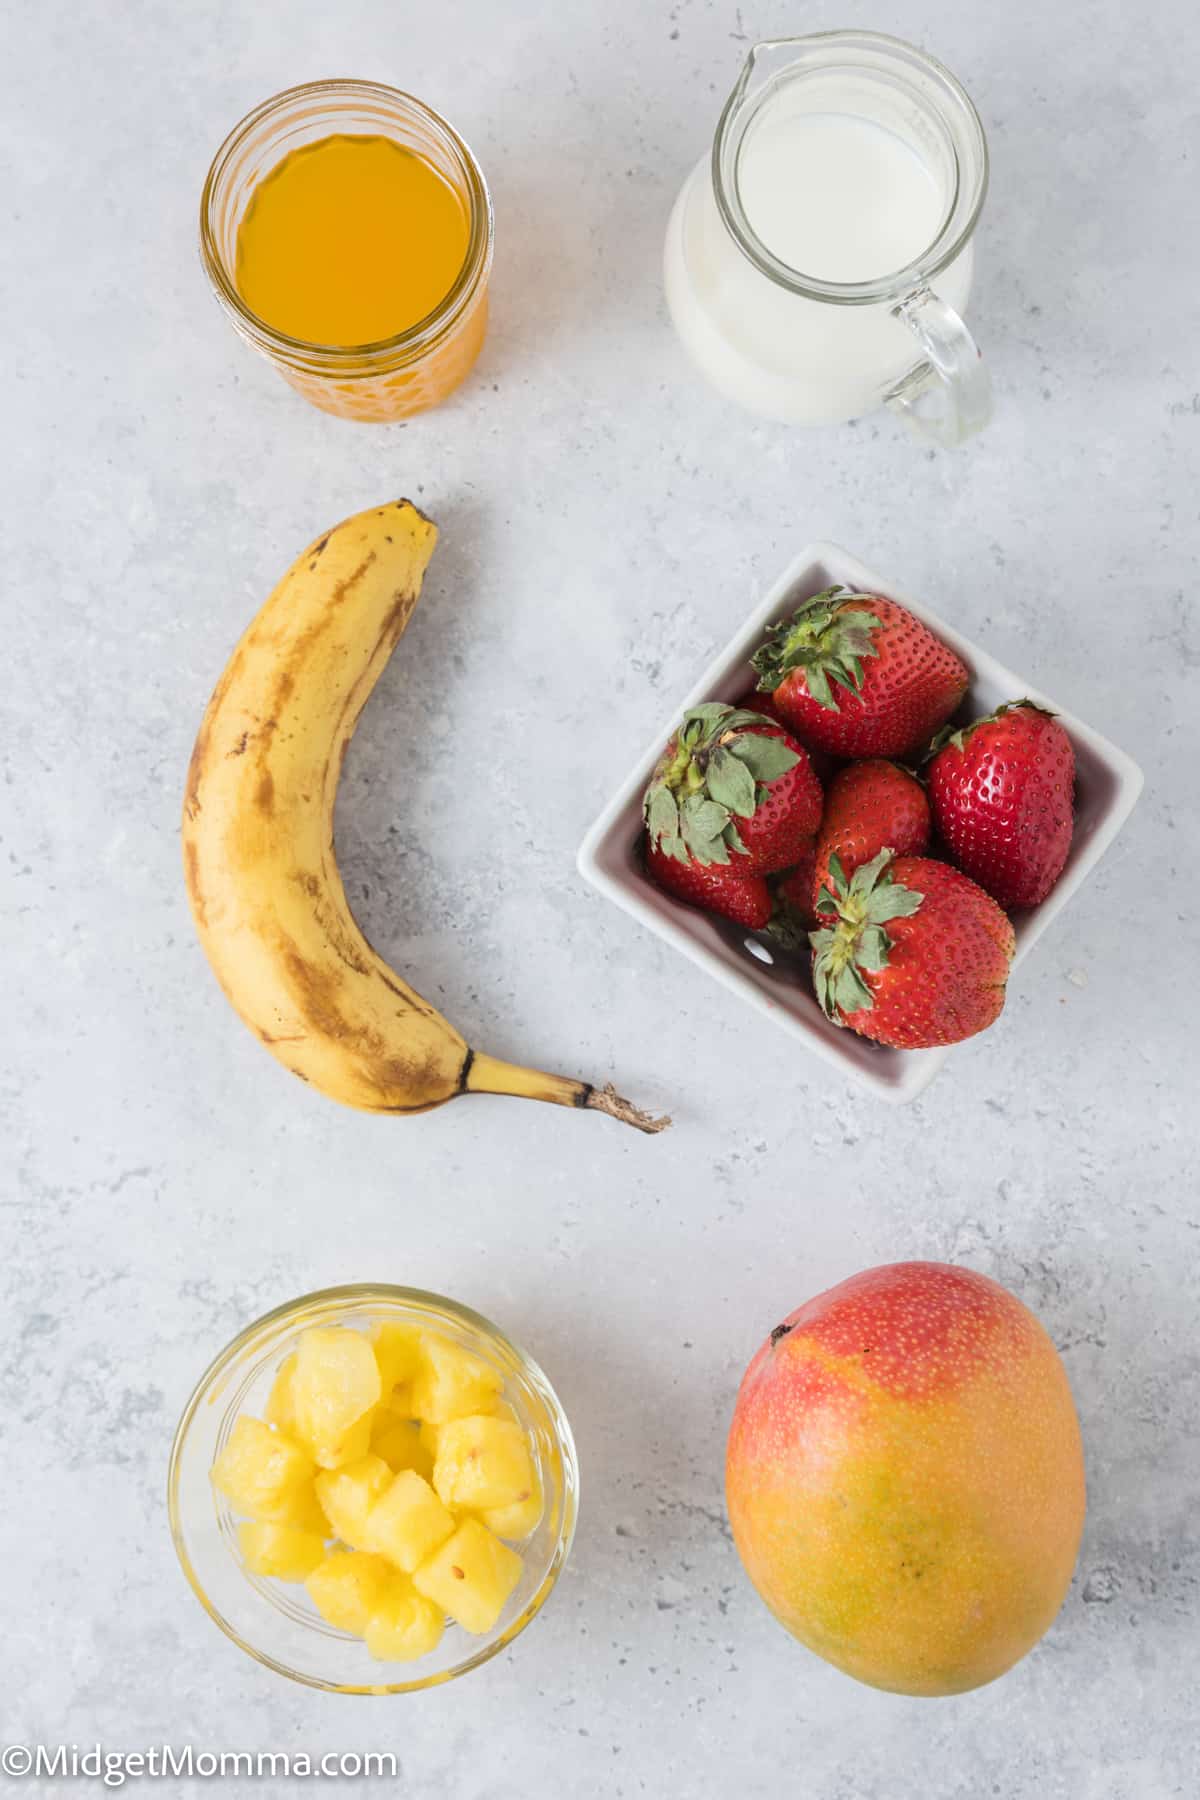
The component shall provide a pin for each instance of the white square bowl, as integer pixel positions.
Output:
(1107, 786)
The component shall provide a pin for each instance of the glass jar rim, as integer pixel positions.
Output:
(350, 1294)
(962, 211)
(402, 346)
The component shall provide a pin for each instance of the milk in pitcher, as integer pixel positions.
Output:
(826, 196)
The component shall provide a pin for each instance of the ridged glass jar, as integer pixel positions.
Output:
(399, 375)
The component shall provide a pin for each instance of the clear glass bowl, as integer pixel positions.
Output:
(274, 1621)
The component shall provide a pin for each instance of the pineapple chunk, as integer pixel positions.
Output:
(278, 1410)
(266, 1475)
(335, 1383)
(398, 1441)
(285, 1551)
(347, 1587)
(304, 1510)
(398, 1404)
(482, 1463)
(351, 1447)
(405, 1625)
(397, 1352)
(471, 1576)
(518, 1520)
(347, 1496)
(452, 1383)
(408, 1521)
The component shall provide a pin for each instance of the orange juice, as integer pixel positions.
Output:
(350, 240)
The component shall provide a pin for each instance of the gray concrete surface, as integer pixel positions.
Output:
(606, 522)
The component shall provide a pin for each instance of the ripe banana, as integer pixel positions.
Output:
(258, 850)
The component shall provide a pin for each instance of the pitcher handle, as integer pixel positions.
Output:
(948, 396)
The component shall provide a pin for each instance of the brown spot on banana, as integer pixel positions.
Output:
(285, 687)
(313, 994)
(408, 996)
(347, 587)
(397, 619)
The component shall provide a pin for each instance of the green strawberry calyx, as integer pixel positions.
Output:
(823, 641)
(714, 771)
(960, 735)
(855, 942)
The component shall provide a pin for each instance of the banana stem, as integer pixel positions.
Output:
(488, 1075)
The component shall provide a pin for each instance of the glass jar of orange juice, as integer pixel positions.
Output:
(347, 231)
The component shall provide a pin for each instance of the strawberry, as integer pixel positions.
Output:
(858, 675)
(717, 887)
(823, 764)
(868, 805)
(795, 888)
(793, 917)
(917, 955)
(764, 705)
(731, 784)
(1002, 792)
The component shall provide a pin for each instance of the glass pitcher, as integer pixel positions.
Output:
(841, 148)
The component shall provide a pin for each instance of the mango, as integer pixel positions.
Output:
(904, 1477)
